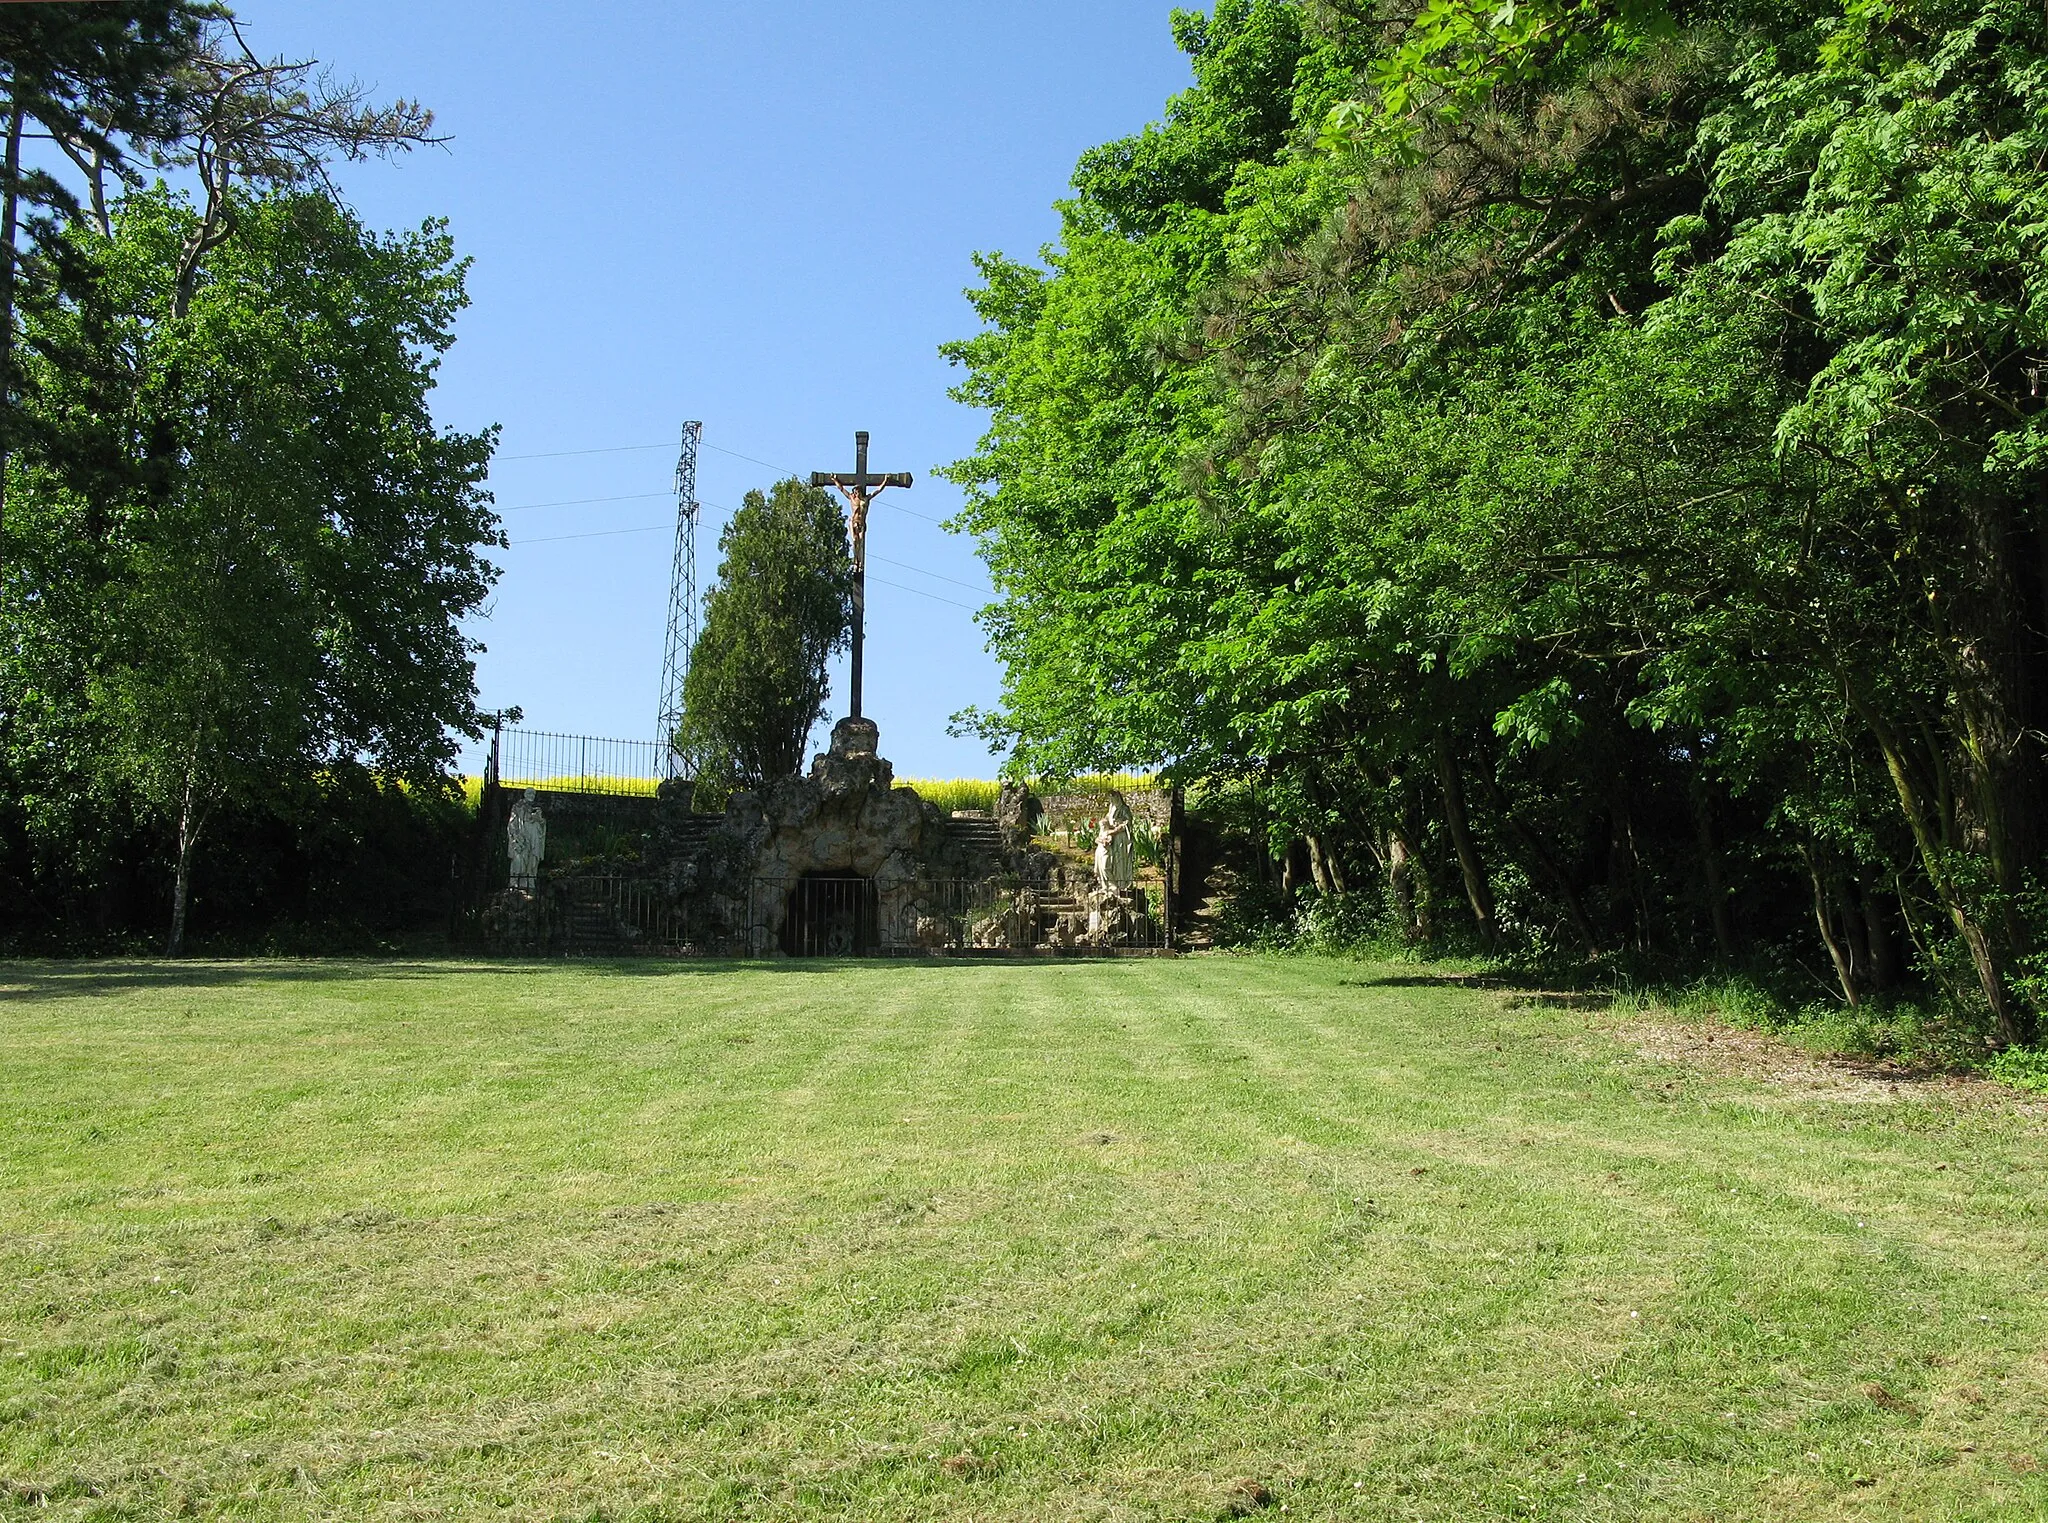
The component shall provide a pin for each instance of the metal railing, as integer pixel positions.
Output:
(845, 916)
(821, 915)
(522, 758)
(584, 914)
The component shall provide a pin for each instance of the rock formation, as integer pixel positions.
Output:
(847, 819)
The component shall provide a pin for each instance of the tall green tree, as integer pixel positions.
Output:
(287, 595)
(781, 609)
(1584, 453)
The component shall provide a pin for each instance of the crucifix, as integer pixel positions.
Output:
(859, 489)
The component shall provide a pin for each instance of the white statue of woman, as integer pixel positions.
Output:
(526, 841)
(1114, 866)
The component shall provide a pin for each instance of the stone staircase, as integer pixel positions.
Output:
(978, 836)
(1050, 907)
(685, 833)
(590, 925)
(1215, 878)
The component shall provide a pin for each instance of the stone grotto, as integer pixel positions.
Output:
(840, 862)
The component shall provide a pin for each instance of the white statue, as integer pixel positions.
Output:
(526, 841)
(1114, 864)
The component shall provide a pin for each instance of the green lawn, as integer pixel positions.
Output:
(1083, 1240)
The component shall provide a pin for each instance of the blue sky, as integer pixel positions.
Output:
(759, 215)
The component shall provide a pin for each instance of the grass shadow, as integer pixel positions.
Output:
(1430, 981)
(31, 981)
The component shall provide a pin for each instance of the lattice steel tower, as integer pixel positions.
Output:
(682, 602)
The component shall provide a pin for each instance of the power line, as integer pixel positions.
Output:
(552, 539)
(549, 539)
(558, 454)
(577, 502)
(621, 449)
(905, 565)
(571, 502)
(754, 459)
(949, 602)
(879, 501)
(913, 513)
(757, 460)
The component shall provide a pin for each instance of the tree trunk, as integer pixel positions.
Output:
(1408, 879)
(1887, 969)
(10, 223)
(1478, 891)
(1324, 868)
(1541, 860)
(2007, 1023)
(1845, 967)
(1988, 628)
(190, 820)
(1401, 883)
(1710, 870)
(2001, 664)
(1852, 927)
(1624, 872)
(1921, 942)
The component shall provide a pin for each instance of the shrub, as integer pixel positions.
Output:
(2021, 1067)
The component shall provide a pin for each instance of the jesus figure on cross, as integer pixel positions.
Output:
(859, 489)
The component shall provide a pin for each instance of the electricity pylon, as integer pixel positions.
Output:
(682, 604)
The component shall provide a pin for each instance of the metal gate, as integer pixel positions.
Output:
(830, 915)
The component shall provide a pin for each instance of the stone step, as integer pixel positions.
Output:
(981, 837)
(589, 922)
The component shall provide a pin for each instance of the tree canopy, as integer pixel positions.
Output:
(781, 609)
(1588, 456)
(238, 550)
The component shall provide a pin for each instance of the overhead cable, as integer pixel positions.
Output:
(621, 449)
(615, 449)
(577, 502)
(550, 539)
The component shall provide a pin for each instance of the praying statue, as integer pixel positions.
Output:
(1114, 864)
(526, 841)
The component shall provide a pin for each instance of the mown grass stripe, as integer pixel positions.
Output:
(334, 1240)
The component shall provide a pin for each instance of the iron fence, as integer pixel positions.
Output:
(841, 915)
(817, 915)
(522, 758)
(821, 915)
(588, 915)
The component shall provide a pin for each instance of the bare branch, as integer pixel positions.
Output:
(276, 124)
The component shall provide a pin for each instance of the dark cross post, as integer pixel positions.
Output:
(859, 490)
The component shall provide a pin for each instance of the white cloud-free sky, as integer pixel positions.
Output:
(760, 215)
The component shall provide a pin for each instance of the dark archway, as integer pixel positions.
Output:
(831, 914)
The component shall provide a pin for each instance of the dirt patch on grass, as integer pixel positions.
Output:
(1738, 1053)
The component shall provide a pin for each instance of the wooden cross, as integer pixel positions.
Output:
(859, 489)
